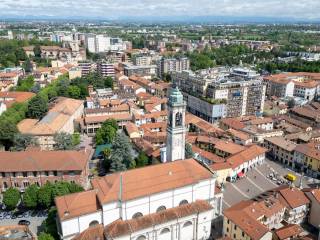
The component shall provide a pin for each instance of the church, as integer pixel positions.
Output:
(177, 199)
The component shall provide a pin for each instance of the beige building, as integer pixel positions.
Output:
(280, 149)
(60, 118)
(261, 217)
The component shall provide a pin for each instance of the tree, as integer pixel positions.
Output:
(142, 160)
(49, 225)
(45, 195)
(37, 107)
(76, 139)
(63, 141)
(188, 151)
(60, 188)
(107, 132)
(117, 163)
(73, 188)
(108, 82)
(291, 103)
(11, 198)
(28, 67)
(45, 236)
(122, 149)
(22, 141)
(8, 130)
(74, 92)
(30, 196)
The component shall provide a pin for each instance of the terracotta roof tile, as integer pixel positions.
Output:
(152, 179)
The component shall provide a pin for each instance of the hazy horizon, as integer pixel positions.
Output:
(298, 10)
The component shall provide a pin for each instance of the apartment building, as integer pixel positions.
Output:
(98, 43)
(145, 202)
(86, 67)
(140, 70)
(60, 118)
(105, 69)
(169, 65)
(141, 60)
(17, 169)
(223, 92)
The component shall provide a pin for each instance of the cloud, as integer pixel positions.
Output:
(307, 9)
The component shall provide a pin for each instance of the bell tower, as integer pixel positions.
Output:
(176, 129)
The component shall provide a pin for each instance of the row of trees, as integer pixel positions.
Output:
(295, 66)
(35, 196)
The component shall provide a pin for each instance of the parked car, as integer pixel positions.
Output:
(24, 222)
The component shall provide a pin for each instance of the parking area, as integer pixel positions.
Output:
(35, 218)
(262, 178)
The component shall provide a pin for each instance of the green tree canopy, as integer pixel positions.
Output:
(142, 160)
(45, 194)
(63, 141)
(188, 151)
(22, 141)
(37, 107)
(30, 196)
(45, 236)
(11, 198)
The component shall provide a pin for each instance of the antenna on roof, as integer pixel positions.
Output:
(120, 196)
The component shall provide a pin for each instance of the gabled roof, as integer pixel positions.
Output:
(31, 160)
(121, 228)
(76, 204)
(150, 180)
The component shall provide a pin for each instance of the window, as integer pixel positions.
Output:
(25, 174)
(141, 237)
(93, 223)
(5, 185)
(161, 208)
(235, 227)
(178, 119)
(228, 221)
(46, 173)
(16, 184)
(164, 231)
(227, 229)
(242, 234)
(55, 173)
(26, 184)
(187, 224)
(183, 202)
(137, 215)
(35, 174)
(234, 236)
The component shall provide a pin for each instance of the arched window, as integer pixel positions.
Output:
(187, 224)
(178, 119)
(161, 208)
(183, 202)
(164, 231)
(141, 237)
(137, 215)
(93, 223)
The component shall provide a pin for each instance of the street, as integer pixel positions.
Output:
(256, 182)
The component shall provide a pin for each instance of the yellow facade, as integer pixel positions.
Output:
(314, 163)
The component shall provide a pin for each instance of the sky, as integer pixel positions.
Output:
(299, 9)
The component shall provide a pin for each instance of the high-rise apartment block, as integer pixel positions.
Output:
(101, 43)
(168, 65)
(105, 69)
(222, 92)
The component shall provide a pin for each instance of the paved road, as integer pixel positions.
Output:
(35, 223)
(256, 182)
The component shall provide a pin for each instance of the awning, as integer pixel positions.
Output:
(240, 174)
